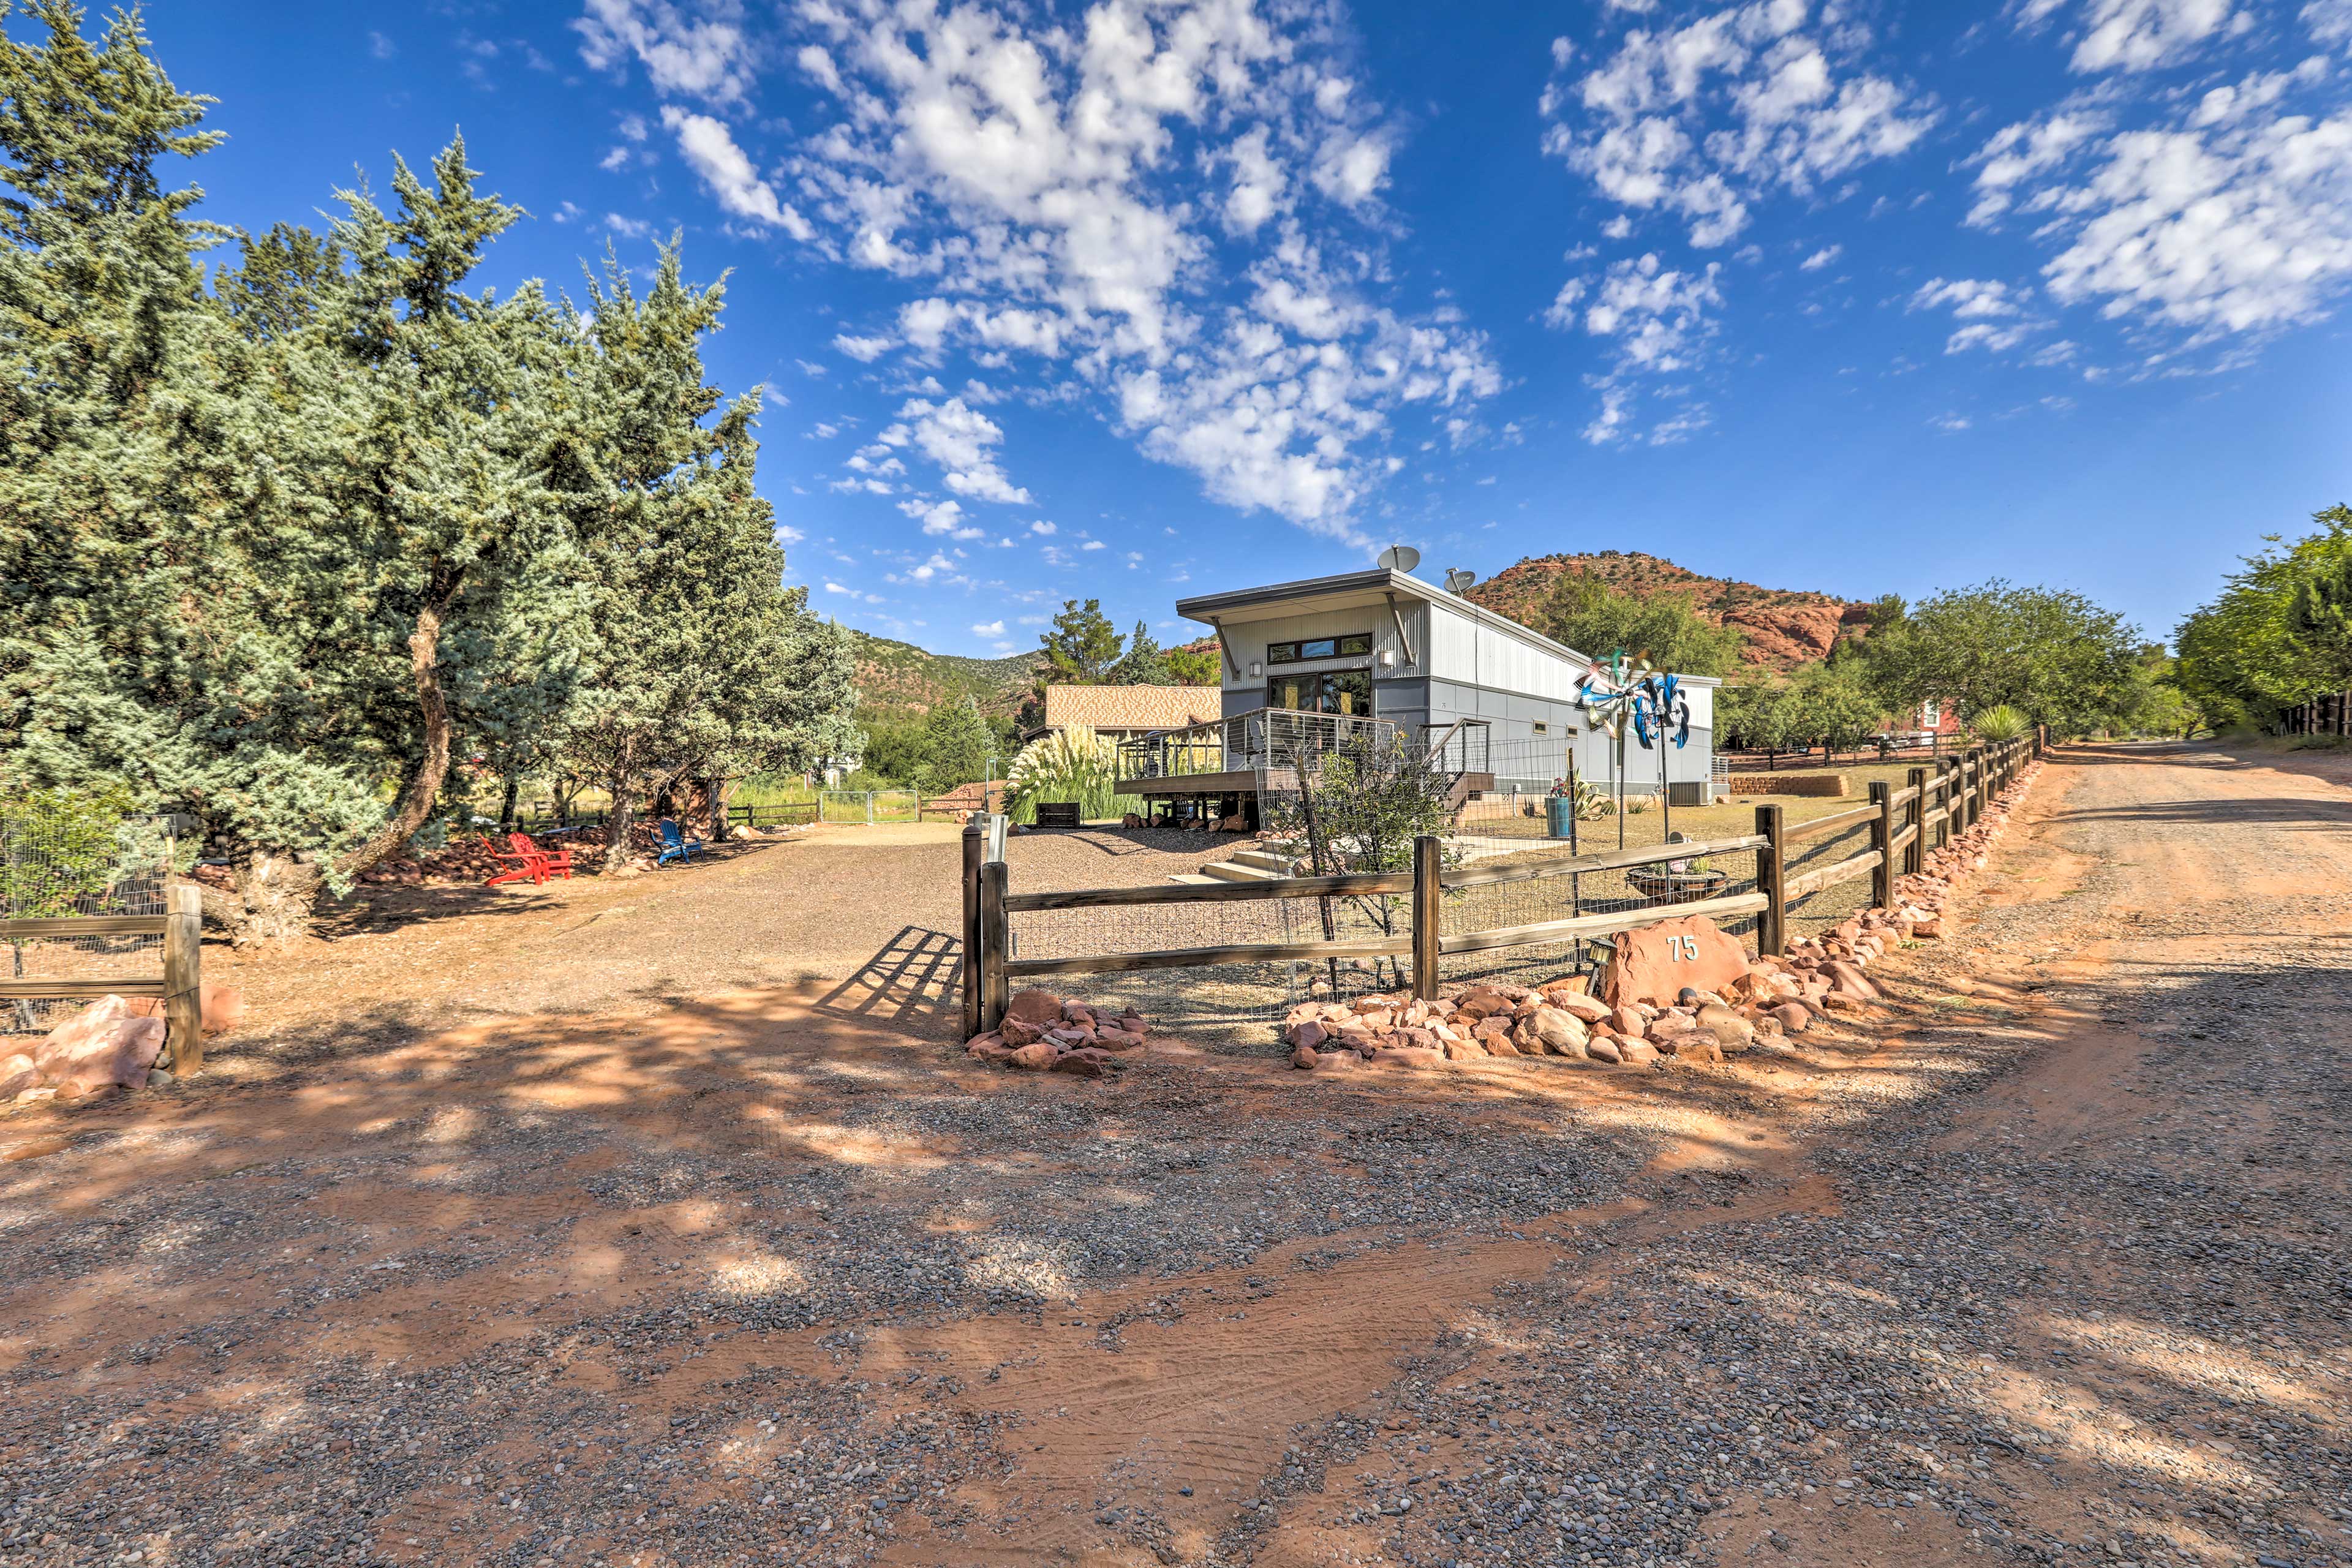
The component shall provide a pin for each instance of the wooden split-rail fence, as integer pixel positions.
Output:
(179, 981)
(1932, 807)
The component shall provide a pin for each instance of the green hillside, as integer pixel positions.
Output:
(899, 680)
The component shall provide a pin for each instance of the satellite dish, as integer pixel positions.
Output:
(1400, 558)
(1458, 581)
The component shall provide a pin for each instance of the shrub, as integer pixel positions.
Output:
(1997, 725)
(1076, 764)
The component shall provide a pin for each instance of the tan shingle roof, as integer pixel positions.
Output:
(1131, 707)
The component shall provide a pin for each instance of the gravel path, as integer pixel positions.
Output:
(2044, 1265)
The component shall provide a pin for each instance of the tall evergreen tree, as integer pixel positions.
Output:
(1145, 662)
(1080, 645)
(707, 666)
(959, 745)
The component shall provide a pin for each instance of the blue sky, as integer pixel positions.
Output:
(1135, 299)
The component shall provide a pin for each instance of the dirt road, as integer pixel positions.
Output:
(2047, 1264)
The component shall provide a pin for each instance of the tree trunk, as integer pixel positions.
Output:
(719, 789)
(507, 823)
(616, 823)
(275, 892)
(431, 768)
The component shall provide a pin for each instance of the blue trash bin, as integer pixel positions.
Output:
(1559, 815)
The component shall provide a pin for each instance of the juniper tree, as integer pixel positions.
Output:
(705, 666)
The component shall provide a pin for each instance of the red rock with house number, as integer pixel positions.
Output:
(1653, 963)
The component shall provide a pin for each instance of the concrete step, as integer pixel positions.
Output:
(1265, 860)
(1227, 871)
(1193, 878)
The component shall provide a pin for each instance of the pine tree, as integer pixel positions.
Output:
(1080, 645)
(1144, 663)
(706, 668)
(958, 744)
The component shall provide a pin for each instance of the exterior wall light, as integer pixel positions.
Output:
(1256, 668)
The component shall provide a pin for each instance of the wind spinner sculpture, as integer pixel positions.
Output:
(1653, 700)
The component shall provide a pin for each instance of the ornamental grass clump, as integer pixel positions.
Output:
(1072, 764)
(1996, 726)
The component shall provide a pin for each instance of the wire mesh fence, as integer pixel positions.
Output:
(64, 855)
(1233, 1001)
(868, 805)
(1538, 900)
(1810, 914)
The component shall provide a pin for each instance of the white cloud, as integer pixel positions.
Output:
(2225, 213)
(2138, 35)
(940, 519)
(614, 161)
(628, 227)
(809, 367)
(988, 628)
(833, 587)
(709, 57)
(565, 211)
(2329, 21)
(728, 174)
(1701, 119)
(1992, 314)
(1092, 544)
(1654, 317)
(866, 350)
(1951, 424)
(382, 48)
(1042, 526)
(1821, 258)
(961, 440)
(786, 534)
(1051, 194)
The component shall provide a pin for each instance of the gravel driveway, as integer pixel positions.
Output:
(2047, 1264)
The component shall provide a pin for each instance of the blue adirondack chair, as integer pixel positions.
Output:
(676, 846)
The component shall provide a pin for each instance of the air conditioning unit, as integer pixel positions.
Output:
(1687, 792)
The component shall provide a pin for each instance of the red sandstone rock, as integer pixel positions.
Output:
(1034, 1057)
(1041, 1008)
(1653, 963)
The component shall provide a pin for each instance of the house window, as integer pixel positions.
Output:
(1931, 714)
(1353, 644)
(1541, 727)
(1348, 691)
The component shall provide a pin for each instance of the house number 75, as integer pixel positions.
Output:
(1683, 947)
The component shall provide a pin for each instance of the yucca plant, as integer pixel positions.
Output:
(1998, 725)
(1073, 764)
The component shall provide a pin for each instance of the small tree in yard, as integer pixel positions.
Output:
(1359, 807)
(958, 746)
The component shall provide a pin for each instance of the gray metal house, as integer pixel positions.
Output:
(1385, 646)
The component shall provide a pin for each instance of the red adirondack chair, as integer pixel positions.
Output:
(559, 861)
(530, 866)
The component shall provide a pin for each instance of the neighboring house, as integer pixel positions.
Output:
(1934, 718)
(1389, 646)
(1120, 711)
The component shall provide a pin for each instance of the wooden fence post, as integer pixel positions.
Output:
(975, 851)
(184, 1001)
(1428, 915)
(1772, 881)
(994, 940)
(1915, 819)
(1881, 839)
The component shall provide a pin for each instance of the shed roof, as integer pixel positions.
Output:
(1131, 707)
(1349, 589)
